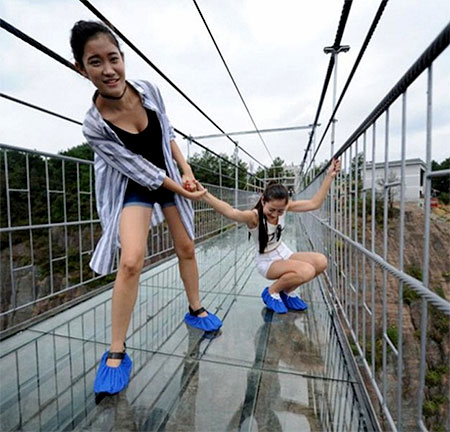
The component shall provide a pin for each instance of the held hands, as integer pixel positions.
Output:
(194, 190)
(334, 168)
(199, 186)
(191, 189)
(199, 189)
(188, 181)
(196, 195)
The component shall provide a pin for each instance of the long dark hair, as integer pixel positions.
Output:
(273, 191)
(82, 32)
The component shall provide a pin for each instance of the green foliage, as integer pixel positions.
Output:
(435, 376)
(45, 208)
(409, 295)
(440, 325)
(392, 332)
(207, 169)
(432, 405)
(378, 207)
(378, 352)
(415, 271)
(444, 197)
(275, 170)
(441, 184)
(354, 348)
(430, 408)
(82, 151)
(432, 378)
(439, 291)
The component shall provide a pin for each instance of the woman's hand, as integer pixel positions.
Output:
(173, 186)
(188, 182)
(196, 195)
(199, 186)
(334, 168)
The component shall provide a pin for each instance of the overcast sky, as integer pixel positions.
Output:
(274, 50)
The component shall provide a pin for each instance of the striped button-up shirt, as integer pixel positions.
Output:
(114, 164)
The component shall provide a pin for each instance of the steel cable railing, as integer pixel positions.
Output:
(337, 41)
(436, 48)
(395, 311)
(49, 228)
(364, 46)
(76, 223)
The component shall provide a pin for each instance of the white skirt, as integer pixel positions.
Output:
(265, 260)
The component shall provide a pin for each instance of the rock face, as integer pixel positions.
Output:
(35, 281)
(436, 403)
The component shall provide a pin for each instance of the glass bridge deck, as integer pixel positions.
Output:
(263, 372)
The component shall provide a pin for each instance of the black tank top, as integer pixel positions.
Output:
(147, 143)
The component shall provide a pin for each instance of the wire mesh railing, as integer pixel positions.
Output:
(49, 228)
(388, 259)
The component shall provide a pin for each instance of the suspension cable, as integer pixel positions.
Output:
(337, 42)
(232, 78)
(13, 99)
(16, 32)
(52, 113)
(99, 15)
(35, 44)
(352, 73)
(434, 50)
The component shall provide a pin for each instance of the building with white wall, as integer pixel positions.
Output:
(414, 178)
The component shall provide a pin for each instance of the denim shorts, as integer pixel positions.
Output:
(147, 198)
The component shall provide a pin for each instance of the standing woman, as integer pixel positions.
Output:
(136, 183)
(274, 260)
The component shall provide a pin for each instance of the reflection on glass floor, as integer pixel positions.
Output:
(264, 372)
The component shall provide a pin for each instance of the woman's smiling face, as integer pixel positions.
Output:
(103, 65)
(274, 208)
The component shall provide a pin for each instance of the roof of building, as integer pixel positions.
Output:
(391, 164)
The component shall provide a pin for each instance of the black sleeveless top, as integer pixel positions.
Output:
(147, 143)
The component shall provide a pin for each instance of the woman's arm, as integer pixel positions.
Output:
(317, 200)
(187, 176)
(247, 216)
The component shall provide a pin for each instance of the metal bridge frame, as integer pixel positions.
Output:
(160, 243)
(354, 260)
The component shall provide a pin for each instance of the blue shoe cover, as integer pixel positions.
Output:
(208, 323)
(112, 380)
(272, 303)
(294, 303)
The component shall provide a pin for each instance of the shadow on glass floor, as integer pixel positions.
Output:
(263, 372)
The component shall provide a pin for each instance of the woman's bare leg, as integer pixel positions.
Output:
(289, 274)
(133, 229)
(185, 250)
(316, 259)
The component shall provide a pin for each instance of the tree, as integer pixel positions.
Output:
(275, 170)
(392, 191)
(207, 168)
(441, 184)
